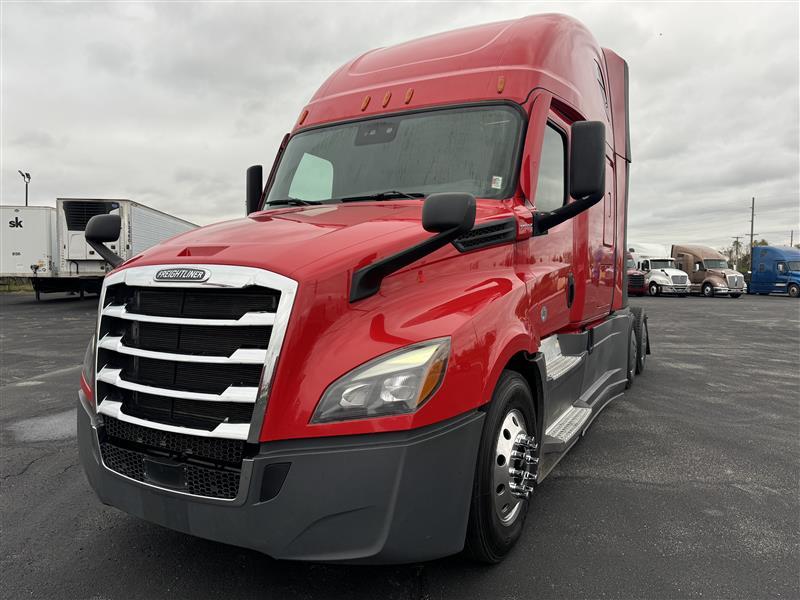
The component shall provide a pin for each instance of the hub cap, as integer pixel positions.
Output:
(514, 467)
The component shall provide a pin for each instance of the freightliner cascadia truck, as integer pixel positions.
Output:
(423, 310)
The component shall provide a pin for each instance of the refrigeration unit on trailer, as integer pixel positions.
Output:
(80, 268)
(423, 310)
(661, 274)
(28, 243)
(775, 270)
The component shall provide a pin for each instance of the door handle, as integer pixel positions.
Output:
(570, 290)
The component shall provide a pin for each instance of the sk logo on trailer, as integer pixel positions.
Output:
(15, 223)
(182, 275)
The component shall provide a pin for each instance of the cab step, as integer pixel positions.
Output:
(563, 432)
(556, 362)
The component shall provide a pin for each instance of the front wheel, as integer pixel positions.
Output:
(642, 338)
(708, 290)
(794, 290)
(505, 471)
(654, 289)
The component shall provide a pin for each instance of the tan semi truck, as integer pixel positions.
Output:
(708, 271)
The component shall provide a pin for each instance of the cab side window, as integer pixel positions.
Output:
(550, 188)
(698, 266)
(781, 267)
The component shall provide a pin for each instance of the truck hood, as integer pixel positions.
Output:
(669, 272)
(289, 239)
(724, 272)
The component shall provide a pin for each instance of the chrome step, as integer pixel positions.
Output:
(556, 363)
(566, 427)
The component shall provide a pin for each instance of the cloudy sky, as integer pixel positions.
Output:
(168, 104)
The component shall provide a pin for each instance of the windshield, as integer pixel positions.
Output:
(662, 264)
(630, 264)
(716, 263)
(472, 150)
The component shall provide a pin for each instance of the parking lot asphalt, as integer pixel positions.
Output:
(685, 487)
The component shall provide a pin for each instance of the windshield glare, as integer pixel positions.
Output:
(472, 150)
(662, 264)
(630, 264)
(716, 263)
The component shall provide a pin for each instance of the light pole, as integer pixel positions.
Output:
(26, 177)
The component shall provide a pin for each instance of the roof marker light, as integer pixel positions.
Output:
(501, 84)
(303, 116)
(365, 103)
(409, 95)
(386, 99)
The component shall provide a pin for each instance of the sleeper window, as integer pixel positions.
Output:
(550, 186)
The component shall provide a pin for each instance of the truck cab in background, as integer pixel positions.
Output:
(422, 312)
(636, 277)
(775, 270)
(708, 271)
(661, 274)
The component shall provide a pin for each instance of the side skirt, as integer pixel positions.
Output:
(584, 372)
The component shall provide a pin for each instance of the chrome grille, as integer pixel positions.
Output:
(679, 279)
(735, 281)
(187, 360)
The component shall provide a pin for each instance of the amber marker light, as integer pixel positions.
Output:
(365, 103)
(501, 84)
(386, 99)
(409, 95)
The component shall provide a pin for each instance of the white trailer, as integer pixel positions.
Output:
(142, 227)
(28, 247)
(661, 274)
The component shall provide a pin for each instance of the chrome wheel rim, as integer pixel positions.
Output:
(514, 464)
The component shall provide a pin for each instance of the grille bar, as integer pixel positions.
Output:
(221, 433)
(252, 318)
(231, 394)
(239, 356)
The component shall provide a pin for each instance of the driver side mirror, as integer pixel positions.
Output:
(101, 229)
(255, 187)
(587, 174)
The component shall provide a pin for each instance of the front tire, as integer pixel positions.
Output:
(654, 289)
(642, 338)
(708, 290)
(497, 516)
(794, 290)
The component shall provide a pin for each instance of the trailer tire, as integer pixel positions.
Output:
(642, 338)
(708, 290)
(794, 290)
(489, 539)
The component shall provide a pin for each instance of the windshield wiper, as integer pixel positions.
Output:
(293, 202)
(387, 195)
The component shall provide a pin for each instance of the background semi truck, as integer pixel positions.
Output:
(47, 245)
(708, 271)
(775, 270)
(661, 274)
(423, 311)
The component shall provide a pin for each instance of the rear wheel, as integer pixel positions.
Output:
(708, 290)
(794, 290)
(642, 338)
(505, 471)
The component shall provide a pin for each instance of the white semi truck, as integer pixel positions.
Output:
(661, 274)
(48, 246)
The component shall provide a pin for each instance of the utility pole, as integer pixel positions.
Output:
(26, 177)
(791, 238)
(752, 219)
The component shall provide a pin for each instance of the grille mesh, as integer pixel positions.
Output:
(214, 449)
(489, 234)
(182, 412)
(679, 279)
(197, 480)
(636, 280)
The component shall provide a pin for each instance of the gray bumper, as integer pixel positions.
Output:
(382, 498)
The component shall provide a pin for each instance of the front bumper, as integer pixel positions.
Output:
(727, 290)
(382, 498)
(674, 289)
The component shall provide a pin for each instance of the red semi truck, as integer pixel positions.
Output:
(423, 310)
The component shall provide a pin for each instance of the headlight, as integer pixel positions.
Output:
(395, 383)
(88, 363)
